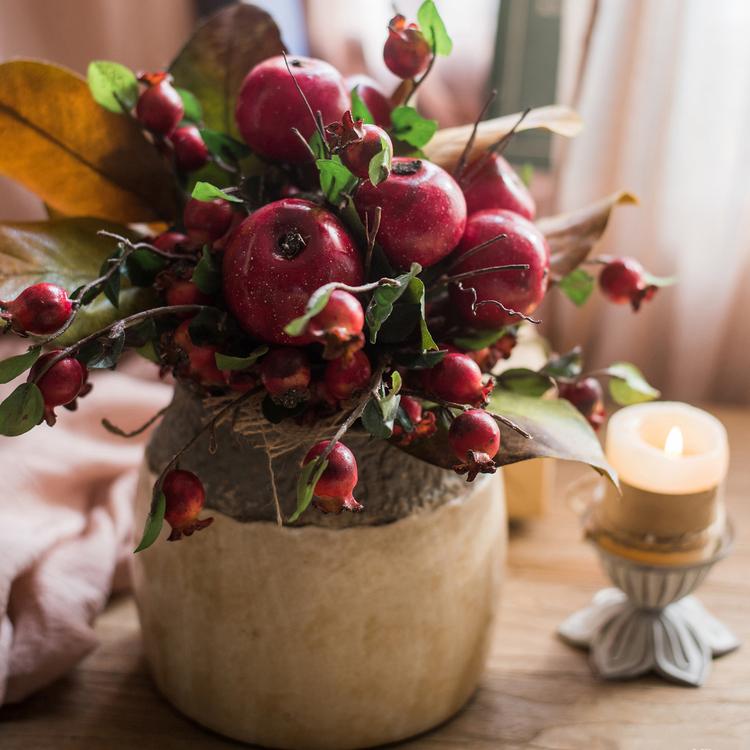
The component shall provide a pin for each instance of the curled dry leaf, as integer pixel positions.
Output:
(573, 235)
(79, 158)
(447, 145)
(216, 59)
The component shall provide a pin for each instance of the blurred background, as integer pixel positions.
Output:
(663, 87)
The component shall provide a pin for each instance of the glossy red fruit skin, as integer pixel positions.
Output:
(170, 241)
(159, 108)
(490, 182)
(266, 285)
(346, 376)
(335, 486)
(269, 105)
(518, 290)
(474, 430)
(185, 497)
(375, 99)
(284, 371)
(356, 156)
(457, 378)
(40, 309)
(406, 52)
(207, 221)
(62, 382)
(621, 280)
(201, 359)
(190, 152)
(343, 312)
(183, 292)
(588, 397)
(423, 212)
(412, 407)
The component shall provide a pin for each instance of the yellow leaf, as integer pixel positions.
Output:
(80, 159)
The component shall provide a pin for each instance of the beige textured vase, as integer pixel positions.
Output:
(324, 638)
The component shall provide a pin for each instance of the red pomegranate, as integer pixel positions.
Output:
(277, 258)
(269, 105)
(490, 182)
(423, 212)
(375, 99)
(521, 290)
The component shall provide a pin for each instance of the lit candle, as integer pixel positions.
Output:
(671, 459)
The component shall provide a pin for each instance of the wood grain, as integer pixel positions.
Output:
(537, 693)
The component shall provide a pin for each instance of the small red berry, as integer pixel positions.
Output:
(159, 108)
(339, 325)
(423, 423)
(285, 373)
(423, 212)
(207, 221)
(588, 397)
(623, 280)
(201, 360)
(269, 105)
(333, 490)
(406, 52)
(490, 182)
(346, 376)
(60, 384)
(185, 497)
(40, 309)
(457, 378)
(171, 241)
(374, 98)
(184, 292)
(475, 439)
(190, 152)
(357, 143)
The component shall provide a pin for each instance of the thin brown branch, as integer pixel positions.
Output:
(477, 248)
(115, 430)
(461, 165)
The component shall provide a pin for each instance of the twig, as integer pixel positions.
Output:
(477, 248)
(509, 311)
(418, 83)
(371, 235)
(321, 131)
(115, 430)
(461, 165)
(443, 280)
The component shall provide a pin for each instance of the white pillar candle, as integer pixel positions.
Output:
(694, 460)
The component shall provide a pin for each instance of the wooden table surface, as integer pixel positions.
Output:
(536, 693)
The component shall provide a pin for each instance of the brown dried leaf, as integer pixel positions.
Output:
(80, 159)
(446, 146)
(573, 235)
(216, 59)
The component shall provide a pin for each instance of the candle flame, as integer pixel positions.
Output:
(674, 444)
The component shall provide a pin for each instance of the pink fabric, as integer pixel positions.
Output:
(66, 529)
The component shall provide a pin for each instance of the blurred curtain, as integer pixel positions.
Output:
(664, 90)
(350, 35)
(141, 34)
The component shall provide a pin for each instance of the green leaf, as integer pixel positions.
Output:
(205, 191)
(409, 126)
(360, 111)
(112, 85)
(476, 340)
(420, 360)
(383, 299)
(577, 286)
(568, 365)
(192, 107)
(526, 173)
(558, 431)
(13, 366)
(148, 351)
(373, 422)
(207, 274)
(111, 289)
(223, 145)
(315, 304)
(206, 326)
(22, 410)
(142, 266)
(317, 146)
(154, 522)
(101, 313)
(66, 252)
(216, 59)
(335, 179)
(306, 483)
(416, 293)
(76, 156)
(381, 411)
(380, 165)
(433, 28)
(226, 362)
(628, 386)
(104, 352)
(524, 381)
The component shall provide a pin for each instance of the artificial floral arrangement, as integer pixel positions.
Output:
(280, 238)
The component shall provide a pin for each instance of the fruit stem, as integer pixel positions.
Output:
(371, 233)
(419, 82)
(115, 430)
(474, 250)
(480, 272)
(461, 164)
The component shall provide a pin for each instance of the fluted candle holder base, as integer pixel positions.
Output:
(650, 623)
